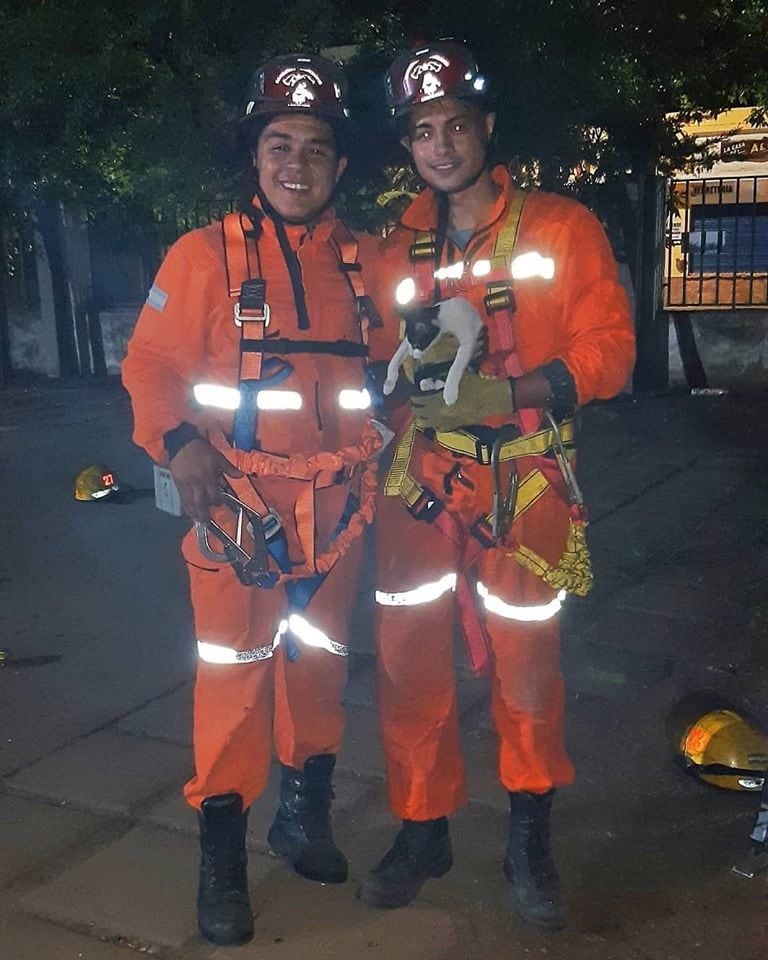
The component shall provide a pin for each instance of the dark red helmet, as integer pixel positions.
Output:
(299, 83)
(440, 69)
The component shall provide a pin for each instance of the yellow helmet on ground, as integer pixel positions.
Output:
(717, 743)
(95, 483)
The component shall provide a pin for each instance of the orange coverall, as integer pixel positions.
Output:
(580, 316)
(247, 693)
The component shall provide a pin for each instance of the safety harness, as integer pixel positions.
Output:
(259, 536)
(425, 254)
(549, 446)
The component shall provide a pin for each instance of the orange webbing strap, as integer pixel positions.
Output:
(304, 517)
(347, 248)
(327, 560)
(320, 470)
(235, 227)
(250, 363)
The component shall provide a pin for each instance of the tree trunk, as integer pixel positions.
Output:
(96, 340)
(651, 323)
(48, 223)
(5, 339)
(5, 332)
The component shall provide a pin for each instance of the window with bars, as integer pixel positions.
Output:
(728, 238)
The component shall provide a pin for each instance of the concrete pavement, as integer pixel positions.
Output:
(98, 855)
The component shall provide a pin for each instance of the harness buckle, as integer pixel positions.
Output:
(483, 452)
(500, 297)
(483, 533)
(427, 507)
(262, 316)
(246, 551)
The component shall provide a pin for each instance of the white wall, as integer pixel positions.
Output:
(733, 346)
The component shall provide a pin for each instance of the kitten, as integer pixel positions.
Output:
(423, 327)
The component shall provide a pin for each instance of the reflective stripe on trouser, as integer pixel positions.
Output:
(242, 708)
(417, 685)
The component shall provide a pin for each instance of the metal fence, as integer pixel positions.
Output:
(716, 244)
(127, 248)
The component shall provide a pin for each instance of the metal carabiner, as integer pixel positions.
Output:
(558, 447)
(251, 564)
(503, 507)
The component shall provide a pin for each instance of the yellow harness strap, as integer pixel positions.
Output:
(506, 238)
(574, 569)
(529, 445)
(398, 471)
(399, 481)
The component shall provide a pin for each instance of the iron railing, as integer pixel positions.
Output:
(716, 244)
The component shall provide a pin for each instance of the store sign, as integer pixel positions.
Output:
(744, 150)
(709, 189)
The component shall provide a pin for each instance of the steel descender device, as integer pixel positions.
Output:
(503, 506)
(246, 549)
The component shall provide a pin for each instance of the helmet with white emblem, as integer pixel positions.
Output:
(441, 69)
(297, 83)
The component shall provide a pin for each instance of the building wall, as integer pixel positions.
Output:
(117, 326)
(32, 331)
(732, 341)
(733, 346)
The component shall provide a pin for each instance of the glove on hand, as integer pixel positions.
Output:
(479, 397)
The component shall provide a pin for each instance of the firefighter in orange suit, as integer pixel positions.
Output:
(480, 512)
(248, 377)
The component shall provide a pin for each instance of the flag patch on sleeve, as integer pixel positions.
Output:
(157, 298)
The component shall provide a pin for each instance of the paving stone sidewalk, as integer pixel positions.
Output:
(98, 857)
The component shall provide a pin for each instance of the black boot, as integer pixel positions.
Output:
(528, 864)
(422, 849)
(301, 831)
(223, 909)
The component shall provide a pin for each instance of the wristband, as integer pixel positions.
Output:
(179, 437)
(562, 388)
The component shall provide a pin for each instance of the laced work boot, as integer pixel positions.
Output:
(223, 909)
(528, 863)
(422, 850)
(301, 831)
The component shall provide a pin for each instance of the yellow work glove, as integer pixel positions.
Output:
(479, 397)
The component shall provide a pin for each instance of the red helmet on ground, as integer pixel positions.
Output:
(298, 83)
(441, 69)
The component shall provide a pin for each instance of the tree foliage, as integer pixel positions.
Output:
(105, 101)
